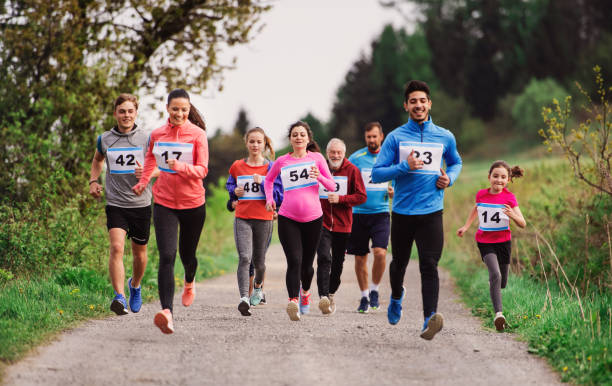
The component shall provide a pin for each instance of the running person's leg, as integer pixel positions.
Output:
(243, 236)
(311, 234)
(490, 261)
(338, 247)
(291, 241)
(262, 229)
(402, 237)
(118, 226)
(324, 261)
(359, 245)
(166, 233)
(139, 229)
(191, 223)
(380, 240)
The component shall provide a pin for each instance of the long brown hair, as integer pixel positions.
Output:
(513, 172)
(267, 141)
(312, 144)
(194, 115)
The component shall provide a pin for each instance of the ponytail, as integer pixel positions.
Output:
(195, 117)
(313, 146)
(516, 172)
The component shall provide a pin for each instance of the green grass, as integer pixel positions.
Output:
(574, 335)
(34, 309)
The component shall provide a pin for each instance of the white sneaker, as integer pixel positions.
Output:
(332, 304)
(499, 321)
(324, 305)
(293, 310)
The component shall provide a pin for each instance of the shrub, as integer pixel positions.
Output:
(527, 108)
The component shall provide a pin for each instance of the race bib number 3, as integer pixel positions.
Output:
(252, 190)
(164, 151)
(341, 187)
(366, 175)
(492, 218)
(429, 153)
(297, 176)
(122, 160)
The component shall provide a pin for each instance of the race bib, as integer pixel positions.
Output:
(297, 176)
(164, 151)
(492, 218)
(366, 175)
(341, 187)
(252, 190)
(429, 153)
(122, 160)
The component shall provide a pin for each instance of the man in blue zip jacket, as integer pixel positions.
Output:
(413, 155)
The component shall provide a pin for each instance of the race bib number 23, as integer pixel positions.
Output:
(429, 153)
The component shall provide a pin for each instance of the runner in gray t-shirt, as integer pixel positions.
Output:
(123, 149)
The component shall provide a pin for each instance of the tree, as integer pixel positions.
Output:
(63, 61)
(242, 122)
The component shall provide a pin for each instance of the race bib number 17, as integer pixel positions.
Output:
(492, 218)
(429, 153)
(297, 176)
(164, 151)
(122, 160)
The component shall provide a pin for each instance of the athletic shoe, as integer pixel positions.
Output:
(293, 309)
(188, 293)
(304, 302)
(394, 311)
(135, 298)
(324, 305)
(119, 305)
(364, 305)
(499, 321)
(332, 304)
(433, 324)
(244, 307)
(163, 320)
(374, 304)
(257, 296)
(263, 299)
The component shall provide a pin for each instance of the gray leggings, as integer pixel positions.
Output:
(252, 240)
(498, 277)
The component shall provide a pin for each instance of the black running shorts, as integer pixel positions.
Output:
(375, 226)
(135, 221)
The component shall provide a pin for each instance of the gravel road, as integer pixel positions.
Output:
(214, 344)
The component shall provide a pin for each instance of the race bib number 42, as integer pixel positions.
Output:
(492, 218)
(164, 151)
(122, 160)
(297, 176)
(252, 190)
(341, 187)
(429, 153)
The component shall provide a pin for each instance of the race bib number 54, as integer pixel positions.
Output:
(492, 218)
(297, 176)
(429, 153)
(164, 151)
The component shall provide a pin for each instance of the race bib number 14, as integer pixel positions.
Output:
(164, 151)
(297, 176)
(429, 153)
(122, 160)
(492, 218)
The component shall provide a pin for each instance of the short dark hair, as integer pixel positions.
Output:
(125, 97)
(416, 85)
(371, 125)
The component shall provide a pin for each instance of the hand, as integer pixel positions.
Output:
(275, 216)
(138, 170)
(234, 204)
(239, 191)
(257, 178)
(270, 207)
(333, 198)
(314, 172)
(138, 189)
(171, 164)
(413, 162)
(443, 181)
(461, 231)
(95, 190)
(390, 191)
(509, 212)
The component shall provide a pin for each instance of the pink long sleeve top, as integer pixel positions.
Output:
(182, 187)
(301, 193)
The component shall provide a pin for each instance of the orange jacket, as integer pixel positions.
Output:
(183, 189)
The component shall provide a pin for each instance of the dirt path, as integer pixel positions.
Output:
(214, 344)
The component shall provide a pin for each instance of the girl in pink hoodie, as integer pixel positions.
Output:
(180, 150)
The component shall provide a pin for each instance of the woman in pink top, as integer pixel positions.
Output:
(300, 216)
(180, 150)
(494, 208)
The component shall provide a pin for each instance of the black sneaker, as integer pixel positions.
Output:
(374, 300)
(364, 305)
(119, 305)
(244, 307)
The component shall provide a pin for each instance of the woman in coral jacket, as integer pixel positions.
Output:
(180, 150)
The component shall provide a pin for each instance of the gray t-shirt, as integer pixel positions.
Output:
(121, 151)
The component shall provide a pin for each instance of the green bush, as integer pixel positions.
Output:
(527, 109)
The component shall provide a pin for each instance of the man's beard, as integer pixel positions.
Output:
(335, 164)
(373, 147)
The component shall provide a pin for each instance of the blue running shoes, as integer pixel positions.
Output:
(135, 298)
(433, 324)
(119, 305)
(374, 304)
(394, 312)
(364, 305)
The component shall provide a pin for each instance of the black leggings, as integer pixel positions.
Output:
(167, 222)
(330, 260)
(427, 231)
(300, 241)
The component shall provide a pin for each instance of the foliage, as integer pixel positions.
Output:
(587, 147)
(62, 63)
(526, 112)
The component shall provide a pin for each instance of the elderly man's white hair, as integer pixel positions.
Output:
(335, 141)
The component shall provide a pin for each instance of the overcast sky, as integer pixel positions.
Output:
(295, 65)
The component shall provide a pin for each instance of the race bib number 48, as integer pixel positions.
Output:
(164, 151)
(492, 218)
(297, 176)
(252, 190)
(429, 153)
(341, 187)
(122, 160)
